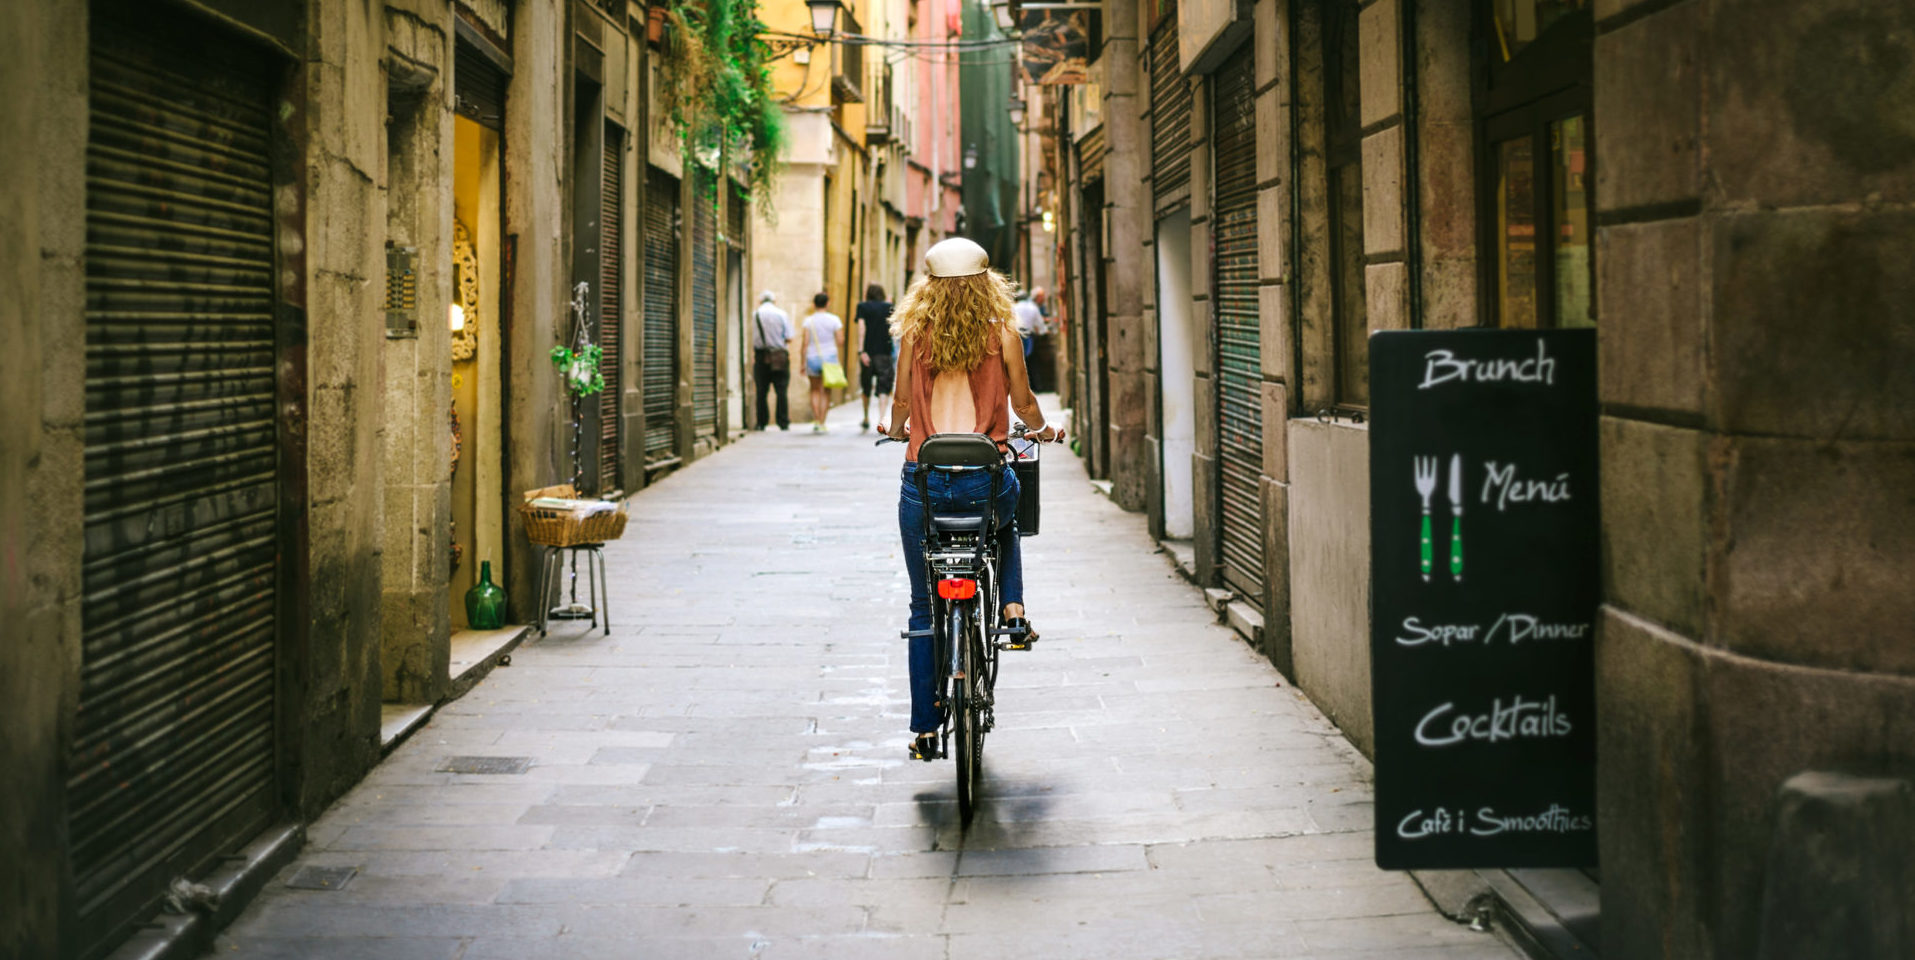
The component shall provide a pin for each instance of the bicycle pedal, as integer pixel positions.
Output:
(1014, 645)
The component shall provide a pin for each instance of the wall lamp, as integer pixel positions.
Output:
(1017, 112)
(824, 16)
(1006, 15)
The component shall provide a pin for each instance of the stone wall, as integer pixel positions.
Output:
(1127, 273)
(1329, 555)
(1756, 181)
(537, 417)
(331, 212)
(416, 621)
(43, 80)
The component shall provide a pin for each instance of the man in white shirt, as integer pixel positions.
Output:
(824, 343)
(1030, 321)
(771, 358)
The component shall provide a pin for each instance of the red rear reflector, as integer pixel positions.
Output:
(957, 589)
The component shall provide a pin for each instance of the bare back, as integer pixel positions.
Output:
(957, 401)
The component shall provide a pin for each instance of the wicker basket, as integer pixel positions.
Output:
(563, 528)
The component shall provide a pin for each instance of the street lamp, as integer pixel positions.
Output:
(1017, 112)
(1006, 17)
(824, 16)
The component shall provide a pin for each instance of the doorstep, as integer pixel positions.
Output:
(1183, 553)
(1547, 914)
(476, 652)
(234, 882)
(398, 720)
(1553, 914)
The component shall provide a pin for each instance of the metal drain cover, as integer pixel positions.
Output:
(494, 765)
(322, 878)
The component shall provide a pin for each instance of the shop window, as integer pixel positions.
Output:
(1533, 102)
(1343, 155)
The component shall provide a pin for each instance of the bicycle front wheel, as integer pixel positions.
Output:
(966, 739)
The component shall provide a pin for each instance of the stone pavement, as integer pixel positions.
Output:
(724, 775)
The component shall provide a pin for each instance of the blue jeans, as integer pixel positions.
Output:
(952, 494)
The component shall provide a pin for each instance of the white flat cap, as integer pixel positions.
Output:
(956, 257)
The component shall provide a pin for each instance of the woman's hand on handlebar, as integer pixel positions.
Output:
(1049, 434)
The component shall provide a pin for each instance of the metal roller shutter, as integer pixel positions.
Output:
(705, 305)
(1239, 362)
(661, 316)
(1170, 104)
(480, 85)
(172, 761)
(611, 288)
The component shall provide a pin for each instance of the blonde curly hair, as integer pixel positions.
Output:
(956, 315)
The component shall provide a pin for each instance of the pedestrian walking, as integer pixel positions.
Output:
(1030, 320)
(960, 371)
(824, 344)
(877, 358)
(771, 358)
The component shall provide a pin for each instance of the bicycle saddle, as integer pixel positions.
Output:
(959, 450)
(965, 524)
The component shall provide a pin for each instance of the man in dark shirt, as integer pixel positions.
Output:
(877, 360)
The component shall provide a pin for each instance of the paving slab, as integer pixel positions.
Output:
(724, 774)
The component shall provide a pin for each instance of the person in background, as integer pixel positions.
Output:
(1030, 320)
(876, 361)
(1042, 369)
(824, 343)
(771, 358)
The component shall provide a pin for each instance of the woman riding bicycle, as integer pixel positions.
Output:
(960, 359)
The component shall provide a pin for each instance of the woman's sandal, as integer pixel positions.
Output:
(1019, 641)
(924, 747)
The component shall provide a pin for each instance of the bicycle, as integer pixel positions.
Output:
(961, 566)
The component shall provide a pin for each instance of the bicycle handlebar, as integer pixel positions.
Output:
(1018, 432)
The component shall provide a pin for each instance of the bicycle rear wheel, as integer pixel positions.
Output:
(966, 739)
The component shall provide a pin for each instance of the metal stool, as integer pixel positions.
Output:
(550, 590)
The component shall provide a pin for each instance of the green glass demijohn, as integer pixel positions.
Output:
(485, 602)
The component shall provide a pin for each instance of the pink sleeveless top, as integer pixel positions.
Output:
(990, 397)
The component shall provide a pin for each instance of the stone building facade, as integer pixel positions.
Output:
(868, 180)
(283, 281)
(1720, 193)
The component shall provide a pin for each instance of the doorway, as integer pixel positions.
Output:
(477, 491)
(1177, 339)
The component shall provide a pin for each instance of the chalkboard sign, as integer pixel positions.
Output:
(1484, 584)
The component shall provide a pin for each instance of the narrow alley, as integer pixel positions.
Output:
(724, 773)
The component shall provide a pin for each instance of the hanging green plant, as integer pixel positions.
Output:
(580, 369)
(718, 84)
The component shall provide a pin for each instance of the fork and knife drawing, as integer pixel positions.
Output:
(1426, 470)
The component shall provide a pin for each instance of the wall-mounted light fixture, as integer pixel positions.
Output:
(970, 156)
(1017, 112)
(824, 16)
(455, 318)
(1006, 17)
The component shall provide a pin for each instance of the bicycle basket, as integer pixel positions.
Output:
(1027, 486)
